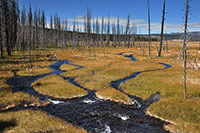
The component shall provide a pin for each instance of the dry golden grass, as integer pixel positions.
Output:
(100, 70)
(172, 106)
(57, 87)
(34, 121)
(34, 72)
(113, 95)
(168, 82)
(7, 67)
(101, 67)
(26, 121)
(7, 97)
(66, 67)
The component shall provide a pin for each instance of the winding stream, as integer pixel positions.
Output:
(90, 112)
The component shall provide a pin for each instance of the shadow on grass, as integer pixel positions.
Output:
(7, 124)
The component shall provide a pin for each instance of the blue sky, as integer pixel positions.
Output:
(137, 8)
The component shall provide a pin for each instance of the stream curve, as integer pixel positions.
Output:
(90, 112)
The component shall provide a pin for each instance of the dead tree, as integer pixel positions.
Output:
(43, 27)
(65, 32)
(97, 31)
(1, 45)
(5, 25)
(113, 34)
(184, 45)
(89, 30)
(30, 36)
(127, 40)
(102, 31)
(74, 34)
(85, 31)
(13, 25)
(51, 29)
(199, 46)
(118, 32)
(23, 22)
(149, 29)
(108, 32)
(162, 29)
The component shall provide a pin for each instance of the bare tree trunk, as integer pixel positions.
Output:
(5, 25)
(162, 29)
(149, 28)
(166, 46)
(143, 48)
(127, 35)
(118, 32)
(199, 46)
(30, 34)
(108, 32)
(102, 29)
(184, 46)
(1, 45)
(89, 31)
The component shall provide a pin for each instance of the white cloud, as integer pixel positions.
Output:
(155, 27)
(141, 24)
(122, 21)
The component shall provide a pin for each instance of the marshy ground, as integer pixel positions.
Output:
(76, 93)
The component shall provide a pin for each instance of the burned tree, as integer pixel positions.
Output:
(23, 24)
(102, 31)
(113, 35)
(149, 29)
(108, 32)
(97, 31)
(13, 25)
(30, 36)
(185, 44)
(162, 29)
(88, 27)
(5, 26)
(118, 32)
(43, 27)
(127, 32)
(1, 45)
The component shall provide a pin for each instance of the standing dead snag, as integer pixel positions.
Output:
(30, 36)
(108, 33)
(1, 45)
(149, 29)
(118, 32)
(127, 39)
(89, 30)
(102, 29)
(199, 46)
(184, 45)
(162, 29)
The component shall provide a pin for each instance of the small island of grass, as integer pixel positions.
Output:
(57, 87)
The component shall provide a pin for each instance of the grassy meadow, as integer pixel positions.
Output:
(57, 87)
(100, 67)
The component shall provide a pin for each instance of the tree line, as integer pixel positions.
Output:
(26, 30)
